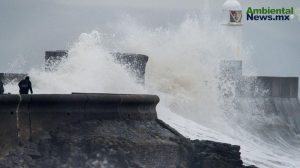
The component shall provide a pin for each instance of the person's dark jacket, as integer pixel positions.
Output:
(1, 87)
(25, 86)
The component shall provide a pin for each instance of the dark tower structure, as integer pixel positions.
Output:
(52, 58)
(134, 63)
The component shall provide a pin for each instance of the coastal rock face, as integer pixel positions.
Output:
(101, 143)
(209, 154)
(137, 144)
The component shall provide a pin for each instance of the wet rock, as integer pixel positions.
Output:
(209, 154)
(108, 144)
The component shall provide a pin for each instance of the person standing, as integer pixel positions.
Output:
(25, 86)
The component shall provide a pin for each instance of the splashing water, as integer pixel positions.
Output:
(89, 67)
(182, 70)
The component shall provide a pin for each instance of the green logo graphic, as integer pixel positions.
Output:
(271, 14)
(270, 11)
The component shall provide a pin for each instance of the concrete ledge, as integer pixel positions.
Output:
(118, 104)
(286, 87)
(267, 86)
(28, 116)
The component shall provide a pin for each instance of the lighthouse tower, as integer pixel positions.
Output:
(232, 21)
(232, 12)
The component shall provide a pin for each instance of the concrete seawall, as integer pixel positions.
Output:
(9, 77)
(273, 99)
(268, 86)
(282, 115)
(257, 86)
(26, 117)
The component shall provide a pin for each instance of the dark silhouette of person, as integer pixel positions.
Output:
(25, 86)
(1, 87)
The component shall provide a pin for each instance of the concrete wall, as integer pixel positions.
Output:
(267, 86)
(283, 113)
(273, 97)
(52, 59)
(29, 116)
(8, 132)
(134, 63)
(57, 54)
(8, 77)
(258, 86)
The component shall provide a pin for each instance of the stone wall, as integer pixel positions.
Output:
(258, 86)
(28, 116)
(272, 98)
(9, 77)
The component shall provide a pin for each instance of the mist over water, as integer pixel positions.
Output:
(183, 69)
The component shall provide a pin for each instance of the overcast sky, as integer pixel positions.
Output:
(29, 27)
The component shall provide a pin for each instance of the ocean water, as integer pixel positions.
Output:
(183, 70)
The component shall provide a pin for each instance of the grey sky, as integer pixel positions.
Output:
(29, 27)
